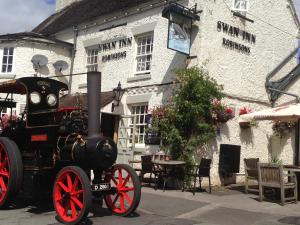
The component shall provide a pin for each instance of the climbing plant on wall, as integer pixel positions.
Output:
(186, 122)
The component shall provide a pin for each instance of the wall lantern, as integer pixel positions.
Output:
(180, 26)
(118, 93)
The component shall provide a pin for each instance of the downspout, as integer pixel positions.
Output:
(74, 50)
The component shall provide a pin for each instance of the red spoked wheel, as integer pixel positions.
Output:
(11, 171)
(124, 179)
(72, 195)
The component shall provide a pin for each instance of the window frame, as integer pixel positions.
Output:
(143, 54)
(8, 55)
(92, 57)
(138, 124)
(240, 9)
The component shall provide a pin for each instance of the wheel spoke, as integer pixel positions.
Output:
(58, 199)
(77, 202)
(122, 204)
(77, 192)
(4, 174)
(63, 186)
(128, 189)
(120, 177)
(69, 180)
(114, 180)
(75, 183)
(115, 200)
(74, 211)
(2, 185)
(127, 197)
(126, 180)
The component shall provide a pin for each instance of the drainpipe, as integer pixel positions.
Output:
(75, 30)
(297, 126)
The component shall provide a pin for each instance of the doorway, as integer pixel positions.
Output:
(108, 125)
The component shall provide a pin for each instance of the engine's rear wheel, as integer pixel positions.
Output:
(127, 184)
(72, 195)
(11, 171)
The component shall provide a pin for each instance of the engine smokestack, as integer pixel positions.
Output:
(94, 103)
(98, 151)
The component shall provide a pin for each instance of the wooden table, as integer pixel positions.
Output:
(168, 166)
(168, 162)
(291, 168)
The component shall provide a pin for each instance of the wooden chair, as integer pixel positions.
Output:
(272, 176)
(200, 171)
(148, 167)
(251, 173)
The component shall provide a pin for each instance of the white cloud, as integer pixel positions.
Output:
(23, 15)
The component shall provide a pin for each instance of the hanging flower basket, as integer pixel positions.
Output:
(221, 113)
(281, 128)
(245, 124)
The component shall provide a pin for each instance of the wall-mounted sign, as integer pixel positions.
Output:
(113, 45)
(180, 33)
(180, 27)
(237, 33)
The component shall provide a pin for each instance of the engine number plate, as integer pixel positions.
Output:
(101, 187)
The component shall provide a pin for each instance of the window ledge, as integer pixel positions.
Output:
(139, 77)
(7, 76)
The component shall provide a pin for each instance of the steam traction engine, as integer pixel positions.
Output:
(52, 150)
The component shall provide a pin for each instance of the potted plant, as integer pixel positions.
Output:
(282, 128)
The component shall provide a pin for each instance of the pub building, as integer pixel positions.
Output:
(243, 44)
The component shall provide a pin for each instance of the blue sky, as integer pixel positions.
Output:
(23, 15)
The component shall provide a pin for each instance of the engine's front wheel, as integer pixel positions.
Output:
(11, 171)
(72, 197)
(124, 179)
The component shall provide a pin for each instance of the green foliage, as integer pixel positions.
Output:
(186, 123)
(275, 159)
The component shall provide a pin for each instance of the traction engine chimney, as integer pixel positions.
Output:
(94, 103)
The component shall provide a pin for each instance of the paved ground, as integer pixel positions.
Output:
(223, 207)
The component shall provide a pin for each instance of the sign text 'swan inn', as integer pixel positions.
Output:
(112, 46)
(236, 33)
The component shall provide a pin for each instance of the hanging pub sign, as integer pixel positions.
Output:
(180, 27)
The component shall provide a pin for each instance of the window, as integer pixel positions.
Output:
(144, 53)
(92, 60)
(139, 113)
(241, 5)
(7, 60)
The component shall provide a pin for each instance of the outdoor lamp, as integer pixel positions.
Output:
(118, 92)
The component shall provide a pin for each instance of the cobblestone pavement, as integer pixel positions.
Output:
(223, 207)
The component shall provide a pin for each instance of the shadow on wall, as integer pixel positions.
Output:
(178, 62)
(61, 79)
(223, 130)
(276, 145)
(246, 136)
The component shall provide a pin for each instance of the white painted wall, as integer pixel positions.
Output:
(243, 76)
(22, 65)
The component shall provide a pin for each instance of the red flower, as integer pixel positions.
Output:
(244, 110)
(229, 110)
